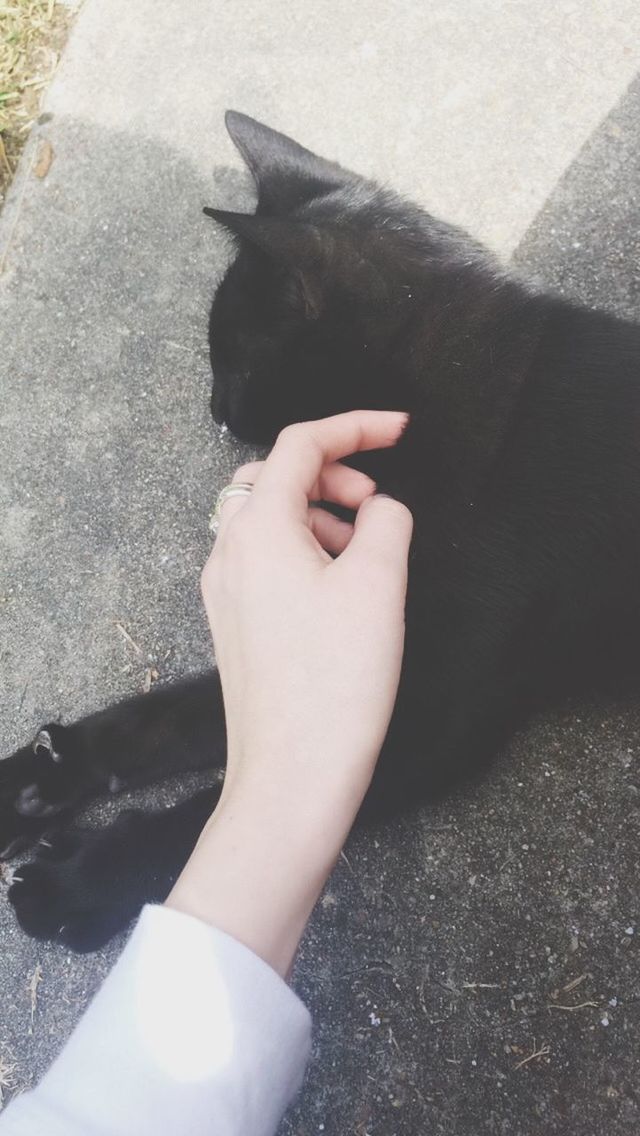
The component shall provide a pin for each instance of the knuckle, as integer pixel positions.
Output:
(299, 432)
(289, 434)
(303, 436)
(248, 471)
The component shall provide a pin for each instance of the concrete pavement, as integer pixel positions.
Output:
(441, 954)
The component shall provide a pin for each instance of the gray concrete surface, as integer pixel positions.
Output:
(446, 946)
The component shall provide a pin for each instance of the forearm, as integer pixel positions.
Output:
(307, 618)
(261, 863)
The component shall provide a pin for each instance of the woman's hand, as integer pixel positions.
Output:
(309, 650)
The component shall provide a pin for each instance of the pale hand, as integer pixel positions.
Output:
(309, 650)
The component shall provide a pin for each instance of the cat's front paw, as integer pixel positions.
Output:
(37, 783)
(84, 885)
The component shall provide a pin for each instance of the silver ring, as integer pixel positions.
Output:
(235, 489)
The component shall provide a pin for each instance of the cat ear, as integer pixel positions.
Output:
(285, 174)
(303, 249)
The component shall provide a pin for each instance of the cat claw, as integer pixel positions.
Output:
(33, 784)
(10, 877)
(42, 741)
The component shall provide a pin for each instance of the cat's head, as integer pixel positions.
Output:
(329, 273)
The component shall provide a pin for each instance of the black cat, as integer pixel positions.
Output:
(521, 465)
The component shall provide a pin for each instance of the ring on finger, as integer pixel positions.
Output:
(235, 489)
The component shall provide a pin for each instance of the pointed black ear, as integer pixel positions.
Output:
(285, 174)
(303, 249)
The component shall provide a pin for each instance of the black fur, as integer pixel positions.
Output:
(521, 465)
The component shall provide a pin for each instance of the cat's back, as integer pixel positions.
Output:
(579, 414)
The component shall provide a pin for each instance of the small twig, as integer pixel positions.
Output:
(480, 986)
(544, 1051)
(150, 676)
(572, 985)
(449, 987)
(32, 989)
(580, 1006)
(180, 346)
(6, 1078)
(421, 999)
(126, 636)
(511, 856)
(24, 695)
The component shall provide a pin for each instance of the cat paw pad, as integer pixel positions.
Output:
(59, 895)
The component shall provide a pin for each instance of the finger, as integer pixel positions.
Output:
(337, 483)
(330, 532)
(381, 539)
(343, 485)
(247, 474)
(294, 465)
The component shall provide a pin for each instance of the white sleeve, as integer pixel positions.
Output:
(191, 1033)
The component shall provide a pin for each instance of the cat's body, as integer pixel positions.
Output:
(521, 465)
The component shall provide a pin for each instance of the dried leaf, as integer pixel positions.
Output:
(43, 162)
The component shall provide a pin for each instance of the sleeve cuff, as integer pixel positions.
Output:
(191, 1032)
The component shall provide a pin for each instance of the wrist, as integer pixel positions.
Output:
(300, 784)
(259, 867)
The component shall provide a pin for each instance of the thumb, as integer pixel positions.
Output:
(381, 538)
